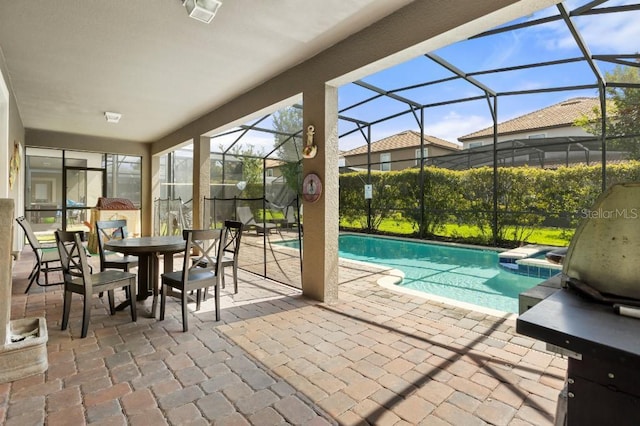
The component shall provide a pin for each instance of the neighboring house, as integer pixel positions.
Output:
(272, 168)
(551, 122)
(398, 152)
(544, 138)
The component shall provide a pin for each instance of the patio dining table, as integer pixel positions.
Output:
(148, 250)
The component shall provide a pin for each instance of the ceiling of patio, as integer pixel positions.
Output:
(70, 61)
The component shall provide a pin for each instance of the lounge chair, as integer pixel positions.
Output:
(244, 215)
(290, 217)
(47, 258)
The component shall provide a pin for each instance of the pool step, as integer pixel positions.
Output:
(539, 262)
(530, 250)
(525, 260)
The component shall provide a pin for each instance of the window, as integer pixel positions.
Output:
(124, 177)
(475, 144)
(385, 161)
(270, 172)
(176, 171)
(537, 136)
(425, 154)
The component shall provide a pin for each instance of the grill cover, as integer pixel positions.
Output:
(605, 250)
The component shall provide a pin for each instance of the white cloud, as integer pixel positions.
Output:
(503, 50)
(528, 85)
(617, 32)
(603, 33)
(453, 125)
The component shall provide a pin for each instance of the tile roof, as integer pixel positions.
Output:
(271, 163)
(406, 139)
(558, 115)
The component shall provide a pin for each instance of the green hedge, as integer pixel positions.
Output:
(528, 199)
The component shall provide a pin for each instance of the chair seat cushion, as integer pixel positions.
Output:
(120, 260)
(265, 225)
(197, 277)
(102, 281)
(50, 255)
(227, 259)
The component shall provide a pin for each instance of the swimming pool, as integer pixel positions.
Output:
(463, 274)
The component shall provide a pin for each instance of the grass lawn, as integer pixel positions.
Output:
(544, 236)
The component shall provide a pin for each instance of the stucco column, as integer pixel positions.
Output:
(201, 177)
(150, 191)
(320, 253)
(6, 222)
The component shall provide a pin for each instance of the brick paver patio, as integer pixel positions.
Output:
(375, 357)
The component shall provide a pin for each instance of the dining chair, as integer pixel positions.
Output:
(230, 252)
(47, 258)
(108, 230)
(79, 279)
(201, 246)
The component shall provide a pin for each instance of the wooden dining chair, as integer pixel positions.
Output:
(79, 279)
(231, 251)
(204, 246)
(108, 230)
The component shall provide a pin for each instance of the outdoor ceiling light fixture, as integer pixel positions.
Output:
(202, 10)
(112, 117)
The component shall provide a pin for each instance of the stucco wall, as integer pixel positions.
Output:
(14, 133)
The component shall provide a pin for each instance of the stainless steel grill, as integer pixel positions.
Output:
(603, 259)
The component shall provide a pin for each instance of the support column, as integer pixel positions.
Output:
(150, 191)
(201, 178)
(7, 216)
(320, 254)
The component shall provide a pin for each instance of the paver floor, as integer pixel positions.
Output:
(374, 357)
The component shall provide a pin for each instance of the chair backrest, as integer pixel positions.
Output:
(234, 234)
(28, 231)
(244, 215)
(203, 247)
(108, 230)
(73, 256)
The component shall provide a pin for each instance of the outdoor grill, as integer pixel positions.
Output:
(601, 274)
(603, 259)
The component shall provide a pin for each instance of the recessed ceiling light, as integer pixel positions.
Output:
(112, 117)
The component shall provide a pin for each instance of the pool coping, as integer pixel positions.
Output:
(393, 277)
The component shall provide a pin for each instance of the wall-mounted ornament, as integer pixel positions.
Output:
(311, 187)
(14, 164)
(310, 149)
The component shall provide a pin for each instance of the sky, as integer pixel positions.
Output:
(614, 33)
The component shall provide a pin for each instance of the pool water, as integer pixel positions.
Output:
(463, 274)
